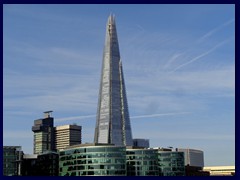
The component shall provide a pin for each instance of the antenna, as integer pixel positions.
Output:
(47, 114)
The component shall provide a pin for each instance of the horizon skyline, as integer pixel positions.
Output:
(179, 73)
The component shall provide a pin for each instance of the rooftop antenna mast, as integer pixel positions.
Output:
(48, 114)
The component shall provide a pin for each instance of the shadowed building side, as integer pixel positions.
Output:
(113, 123)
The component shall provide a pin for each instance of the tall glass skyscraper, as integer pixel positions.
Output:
(113, 123)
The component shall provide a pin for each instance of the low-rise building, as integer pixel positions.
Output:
(220, 170)
(93, 160)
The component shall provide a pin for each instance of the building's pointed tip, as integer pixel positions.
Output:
(111, 18)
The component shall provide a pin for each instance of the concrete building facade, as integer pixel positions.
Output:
(67, 135)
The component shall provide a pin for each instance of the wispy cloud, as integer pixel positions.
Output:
(50, 58)
(172, 59)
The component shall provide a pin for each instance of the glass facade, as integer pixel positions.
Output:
(11, 156)
(171, 163)
(142, 162)
(113, 123)
(97, 160)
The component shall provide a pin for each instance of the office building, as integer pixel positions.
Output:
(141, 143)
(12, 156)
(93, 160)
(113, 122)
(67, 135)
(44, 139)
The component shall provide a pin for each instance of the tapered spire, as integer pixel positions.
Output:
(111, 19)
(112, 123)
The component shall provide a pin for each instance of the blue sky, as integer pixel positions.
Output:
(178, 63)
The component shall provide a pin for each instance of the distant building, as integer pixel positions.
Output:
(67, 135)
(93, 160)
(141, 143)
(44, 139)
(12, 156)
(193, 157)
(220, 170)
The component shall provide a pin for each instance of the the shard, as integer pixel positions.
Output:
(113, 123)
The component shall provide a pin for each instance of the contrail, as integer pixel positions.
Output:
(200, 56)
(157, 115)
(210, 33)
(74, 118)
(132, 117)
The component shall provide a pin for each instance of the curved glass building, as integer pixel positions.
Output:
(93, 160)
(171, 163)
(142, 162)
